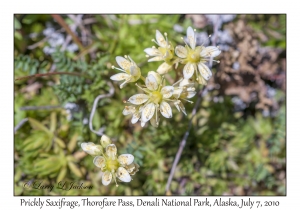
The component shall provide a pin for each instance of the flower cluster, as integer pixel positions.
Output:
(158, 96)
(165, 52)
(156, 99)
(131, 72)
(113, 167)
(194, 57)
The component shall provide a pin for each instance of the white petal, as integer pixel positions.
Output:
(188, 71)
(138, 99)
(188, 83)
(156, 75)
(165, 110)
(135, 71)
(90, 148)
(181, 51)
(148, 112)
(201, 80)
(177, 91)
(164, 68)
(184, 82)
(191, 94)
(157, 58)
(119, 76)
(210, 51)
(143, 123)
(152, 51)
(129, 110)
(160, 39)
(135, 117)
(105, 140)
(123, 174)
(126, 159)
(87, 145)
(141, 109)
(123, 63)
(154, 122)
(176, 105)
(204, 71)
(151, 82)
(182, 108)
(167, 91)
(99, 161)
(111, 151)
(106, 178)
(191, 37)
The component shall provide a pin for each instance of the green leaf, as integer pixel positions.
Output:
(60, 142)
(38, 126)
(18, 190)
(74, 169)
(52, 122)
(17, 24)
(73, 142)
(62, 174)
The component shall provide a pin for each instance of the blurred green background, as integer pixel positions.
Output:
(237, 144)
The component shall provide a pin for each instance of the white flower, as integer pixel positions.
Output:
(113, 167)
(195, 58)
(183, 90)
(131, 72)
(165, 52)
(156, 99)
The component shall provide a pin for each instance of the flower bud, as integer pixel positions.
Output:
(105, 140)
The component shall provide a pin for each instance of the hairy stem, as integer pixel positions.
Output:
(187, 133)
(183, 141)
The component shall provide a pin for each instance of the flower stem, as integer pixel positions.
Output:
(100, 131)
(20, 124)
(183, 141)
(143, 78)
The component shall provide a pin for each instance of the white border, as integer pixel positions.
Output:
(8, 8)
